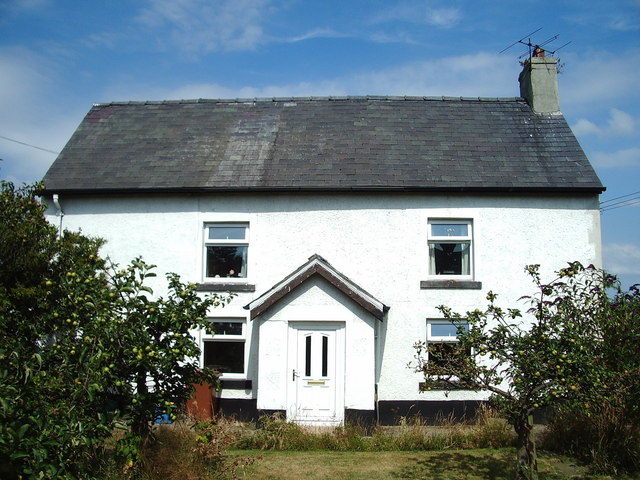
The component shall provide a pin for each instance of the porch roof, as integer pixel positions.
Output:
(316, 265)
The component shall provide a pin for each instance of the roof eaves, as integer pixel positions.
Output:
(575, 189)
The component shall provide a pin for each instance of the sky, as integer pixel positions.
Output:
(59, 57)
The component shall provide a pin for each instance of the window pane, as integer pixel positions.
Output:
(225, 328)
(449, 229)
(443, 353)
(451, 258)
(227, 261)
(443, 330)
(325, 355)
(226, 357)
(307, 355)
(228, 233)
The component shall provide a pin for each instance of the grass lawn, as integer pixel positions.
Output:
(485, 464)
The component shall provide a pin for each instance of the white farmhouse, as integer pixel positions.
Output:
(341, 224)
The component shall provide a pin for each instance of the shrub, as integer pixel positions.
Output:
(606, 439)
(84, 346)
(490, 430)
(414, 433)
(185, 450)
(275, 433)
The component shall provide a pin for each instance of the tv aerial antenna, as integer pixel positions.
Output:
(536, 49)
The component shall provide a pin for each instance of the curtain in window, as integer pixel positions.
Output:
(243, 269)
(432, 259)
(466, 263)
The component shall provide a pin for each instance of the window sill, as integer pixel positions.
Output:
(226, 287)
(450, 284)
(236, 384)
(439, 386)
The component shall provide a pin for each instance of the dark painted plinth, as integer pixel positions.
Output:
(391, 412)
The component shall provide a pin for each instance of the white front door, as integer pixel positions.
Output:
(315, 394)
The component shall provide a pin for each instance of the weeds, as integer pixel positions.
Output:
(608, 440)
(486, 430)
(186, 450)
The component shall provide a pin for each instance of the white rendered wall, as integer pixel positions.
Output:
(317, 301)
(379, 241)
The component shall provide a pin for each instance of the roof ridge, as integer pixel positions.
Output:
(312, 99)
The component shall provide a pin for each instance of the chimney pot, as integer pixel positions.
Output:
(538, 51)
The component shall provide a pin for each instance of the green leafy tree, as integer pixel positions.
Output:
(84, 346)
(547, 358)
(608, 434)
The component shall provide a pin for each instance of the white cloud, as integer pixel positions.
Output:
(201, 26)
(417, 12)
(585, 127)
(29, 115)
(597, 77)
(318, 33)
(443, 17)
(623, 23)
(629, 157)
(20, 81)
(622, 258)
(213, 90)
(395, 37)
(482, 74)
(104, 39)
(25, 4)
(618, 123)
(621, 123)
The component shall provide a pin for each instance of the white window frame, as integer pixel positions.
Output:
(441, 338)
(209, 336)
(234, 242)
(452, 239)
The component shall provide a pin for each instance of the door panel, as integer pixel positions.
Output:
(317, 374)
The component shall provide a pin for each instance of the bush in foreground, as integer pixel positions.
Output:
(84, 347)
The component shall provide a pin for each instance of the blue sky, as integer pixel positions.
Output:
(58, 57)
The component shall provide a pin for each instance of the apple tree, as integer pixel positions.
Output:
(549, 356)
(85, 346)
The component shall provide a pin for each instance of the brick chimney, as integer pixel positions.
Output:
(539, 83)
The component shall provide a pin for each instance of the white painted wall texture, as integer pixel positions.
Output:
(379, 241)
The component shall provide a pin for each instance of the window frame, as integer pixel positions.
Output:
(442, 339)
(452, 239)
(210, 336)
(233, 242)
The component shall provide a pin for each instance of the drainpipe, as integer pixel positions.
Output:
(59, 212)
(376, 368)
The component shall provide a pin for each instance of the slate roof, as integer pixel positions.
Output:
(336, 144)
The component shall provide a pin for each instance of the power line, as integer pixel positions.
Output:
(29, 145)
(616, 198)
(625, 203)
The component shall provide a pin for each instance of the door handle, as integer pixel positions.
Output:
(293, 375)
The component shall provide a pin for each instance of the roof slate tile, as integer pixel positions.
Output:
(337, 143)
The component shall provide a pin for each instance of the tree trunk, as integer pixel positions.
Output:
(140, 426)
(527, 459)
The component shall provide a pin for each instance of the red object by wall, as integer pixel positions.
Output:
(201, 405)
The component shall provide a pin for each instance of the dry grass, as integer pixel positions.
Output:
(495, 464)
(224, 449)
(486, 430)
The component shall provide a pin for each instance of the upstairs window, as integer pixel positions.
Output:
(450, 247)
(226, 249)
